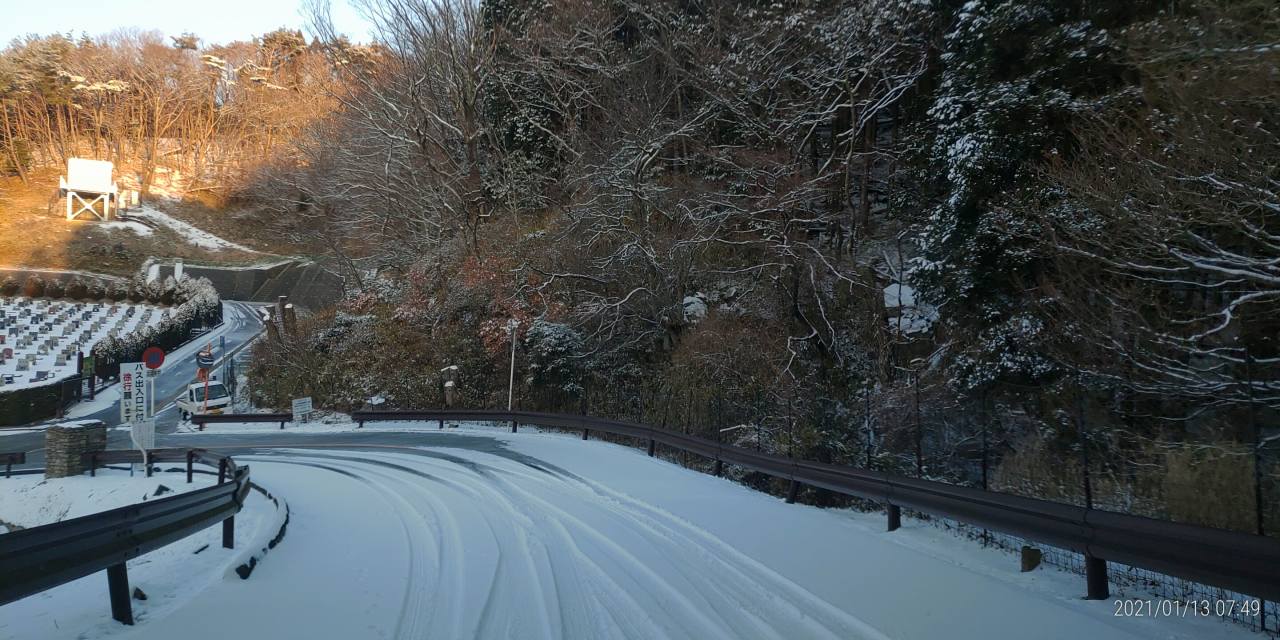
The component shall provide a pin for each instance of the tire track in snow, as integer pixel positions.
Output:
(410, 623)
(501, 548)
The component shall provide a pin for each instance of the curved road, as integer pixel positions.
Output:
(477, 533)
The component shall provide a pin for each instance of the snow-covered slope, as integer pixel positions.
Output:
(28, 349)
(190, 233)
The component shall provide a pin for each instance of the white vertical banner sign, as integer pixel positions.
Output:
(134, 394)
(135, 407)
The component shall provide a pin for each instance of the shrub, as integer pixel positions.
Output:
(77, 289)
(54, 289)
(97, 290)
(34, 288)
(199, 305)
(10, 286)
(118, 291)
(137, 292)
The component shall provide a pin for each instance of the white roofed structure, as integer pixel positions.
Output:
(87, 184)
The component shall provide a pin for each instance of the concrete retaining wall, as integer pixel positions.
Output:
(307, 284)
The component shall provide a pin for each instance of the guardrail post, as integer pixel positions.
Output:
(793, 491)
(652, 446)
(719, 468)
(585, 433)
(360, 424)
(199, 424)
(146, 461)
(229, 533)
(513, 426)
(441, 427)
(1095, 576)
(282, 425)
(222, 470)
(118, 589)
(93, 464)
(895, 516)
(8, 466)
(190, 458)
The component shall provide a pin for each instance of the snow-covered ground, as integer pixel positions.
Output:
(169, 576)
(129, 225)
(72, 327)
(483, 534)
(190, 233)
(30, 501)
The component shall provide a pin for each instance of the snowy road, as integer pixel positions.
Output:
(476, 534)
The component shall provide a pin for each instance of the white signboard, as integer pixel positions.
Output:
(92, 176)
(301, 407)
(134, 405)
(143, 435)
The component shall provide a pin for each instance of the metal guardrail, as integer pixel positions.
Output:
(12, 458)
(202, 419)
(1241, 562)
(36, 559)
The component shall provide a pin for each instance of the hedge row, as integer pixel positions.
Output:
(137, 290)
(198, 305)
(27, 405)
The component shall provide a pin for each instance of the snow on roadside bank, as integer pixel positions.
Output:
(169, 576)
(189, 232)
(31, 500)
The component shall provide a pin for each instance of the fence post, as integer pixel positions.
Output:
(222, 470)
(118, 590)
(146, 461)
(190, 457)
(1084, 452)
(229, 533)
(1257, 446)
(915, 383)
(93, 464)
(894, 512)
(1095, 575)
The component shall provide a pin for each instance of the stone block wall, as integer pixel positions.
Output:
(64, 445)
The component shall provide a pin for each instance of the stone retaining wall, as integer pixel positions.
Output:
(64, 445)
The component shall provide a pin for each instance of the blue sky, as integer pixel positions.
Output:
(215, 21)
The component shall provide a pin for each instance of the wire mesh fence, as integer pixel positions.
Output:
(1186, 598)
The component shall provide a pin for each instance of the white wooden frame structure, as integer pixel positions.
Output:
(87, 183)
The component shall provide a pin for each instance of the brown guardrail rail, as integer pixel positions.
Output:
(1241, 562)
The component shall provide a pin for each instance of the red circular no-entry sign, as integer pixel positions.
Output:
(153, 357)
